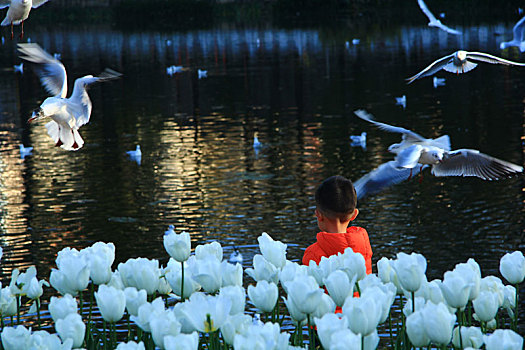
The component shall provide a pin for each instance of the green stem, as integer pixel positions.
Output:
(91, 293)
(105, 335)
(129, 326)
(37, 301)
(390, 326)
(469, 310)
(310, 333)
(358, 289)
(80, 303)
(182, 282)
(413, 302)
(515, 322)
(362, 340)
(17, 309)
(2, 322)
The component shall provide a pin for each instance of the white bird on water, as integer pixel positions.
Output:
(461, 62)
(235, 256)
(19, 68)
(438, 82)
(433, 21)
(135, 155)
(402, 101)
(18, 12)
(358, 140)
(517, 40)
(415, 149)
(67, 114)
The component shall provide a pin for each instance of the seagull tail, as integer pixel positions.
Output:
(67, 138)
(468, 66)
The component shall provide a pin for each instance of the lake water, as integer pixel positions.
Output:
(297, 89)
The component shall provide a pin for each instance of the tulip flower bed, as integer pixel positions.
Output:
(198, 301)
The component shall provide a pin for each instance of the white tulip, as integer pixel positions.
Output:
(456, 290)
(71, 327)
(140, 273)
(116, 281)
(339, 286)
(345, 339)
(186, 325)
(493, 284)
(207, 272)
(265, 336)
(134, 299)
(42, 340)
(237, 296)
(182, 342)
(512, 267)
(213, 249)
(383, 269)
(164, 287)
(503, 339)
(111, 302)
(264, 295)
(16, 338)
(325, 306)
(328, 325)
(61, 307)
(509, 301)
(371, 341)
(7, 302)
(415, 331)
(207, 313)
(148, 311)
(410, 270)
(330, 264)
(235, 324)
(100, 256)
(384, 298)
(290, 271)
(298, 317)
(174, 276)
(471, 273)
(470, 337)
(263, 270)
(273, 251)
(231, 274)
(438, 323)
(316, 272)
(305, 293)
(486, 305)
(162, 325)
(353, 264)
(363, 314)
(178, 246)
(72, 275)
(26, 283)
(131, 345)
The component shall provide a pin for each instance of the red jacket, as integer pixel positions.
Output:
(332, 243)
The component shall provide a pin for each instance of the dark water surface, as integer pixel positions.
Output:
(297, 89)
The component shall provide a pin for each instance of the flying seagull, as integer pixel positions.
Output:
(67, 114)
(18, 12)
(517, 40)
(433, 21)
(414, 150)
(461, 62)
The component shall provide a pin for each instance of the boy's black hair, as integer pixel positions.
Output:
(336, 198)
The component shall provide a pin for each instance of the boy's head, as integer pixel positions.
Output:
(336, 199)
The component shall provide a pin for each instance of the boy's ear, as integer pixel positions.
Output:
(318, 215)
(354, 215)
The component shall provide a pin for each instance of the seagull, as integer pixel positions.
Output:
(402, 101)
(235, 256)
(517, 40)
(358, 140)
(135, 155)
(257, 145)
(414, 150)
(19, 68)
(438, 82)
(18, 12)
(433, 21)
(25, 151)
(387, 174)
(67, 114)
(461, 62)
(174, 69)
(202, 73)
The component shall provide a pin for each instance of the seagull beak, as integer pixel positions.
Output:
(37, 114)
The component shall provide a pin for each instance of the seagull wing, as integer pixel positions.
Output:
(432, 68)
(408, 135)
(409, 156)
(485, 57)
(38, 3)
(518, 29)
(51, 71)
(386, 175)
(470, 162)
(426, 11)
(79, 104)
(4, 3)
(448, 29)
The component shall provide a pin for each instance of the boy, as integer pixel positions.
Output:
(336, 201)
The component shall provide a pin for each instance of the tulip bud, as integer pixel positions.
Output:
(486, 305)
(134, 299)
(263, 295)
(438, 323)
(111, 303)
(503, 339)
(415, 331)
(16, 338)
(470, 337)
(131, 345)
(178, 246)
(410, 270)
(339, 286)
(182, 341)
(273, 251)
(512, 267)
(71, 327)
(61, 307)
